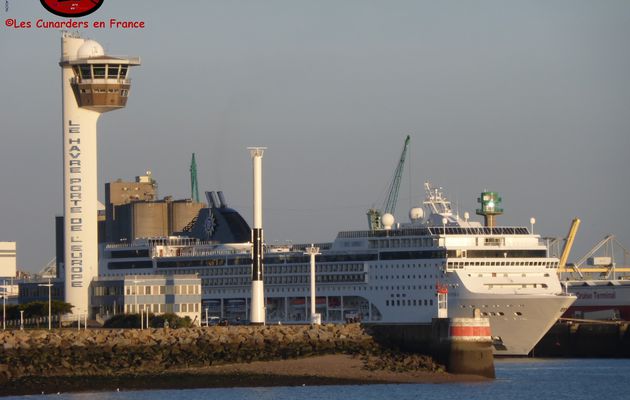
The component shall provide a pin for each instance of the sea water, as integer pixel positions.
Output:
(527, 379)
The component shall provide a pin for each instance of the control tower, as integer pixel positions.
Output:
(490, 207)
(92, 83)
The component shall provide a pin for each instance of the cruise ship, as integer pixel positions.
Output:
(382, 276)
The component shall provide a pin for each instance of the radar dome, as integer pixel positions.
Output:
(416, 214)
(388, 221)
(89, 49)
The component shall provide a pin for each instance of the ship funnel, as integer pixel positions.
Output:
(215, 199)
(210, 200)
(222, 203)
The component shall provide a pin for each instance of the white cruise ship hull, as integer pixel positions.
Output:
(516, 330)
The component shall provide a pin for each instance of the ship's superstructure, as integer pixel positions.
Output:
(387, 276)
(92, 83)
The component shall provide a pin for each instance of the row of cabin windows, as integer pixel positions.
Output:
(273, 269)
(387, 277)
(207, 288)
(101, 71)
(214, 290)
(387, 266)
(281, 269)
(499, 314)
(410, 287)
(462, 264)
(473, 306)
(401, 243)
(286, 280)
(284, 269)
(408, 302)
(211, 262)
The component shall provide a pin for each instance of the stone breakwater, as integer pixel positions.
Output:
(103, 352)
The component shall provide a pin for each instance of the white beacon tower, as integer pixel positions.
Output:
(257, 314)
(92, 83)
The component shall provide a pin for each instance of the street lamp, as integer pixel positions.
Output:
(135, 292)
(48, 285)
(4, 306)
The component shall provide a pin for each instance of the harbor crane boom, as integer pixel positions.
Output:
(575, 225)
(374, 215)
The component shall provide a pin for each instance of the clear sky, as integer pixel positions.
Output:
(527, 98)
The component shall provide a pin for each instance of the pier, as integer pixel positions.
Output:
(579, 338)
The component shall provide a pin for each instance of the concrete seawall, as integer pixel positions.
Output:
(459, 353)
(585, 339)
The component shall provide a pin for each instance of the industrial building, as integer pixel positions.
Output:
(133, 211)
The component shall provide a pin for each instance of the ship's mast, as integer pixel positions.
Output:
(436, 202)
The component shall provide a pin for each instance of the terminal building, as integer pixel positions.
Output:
(130, 294)
(156, 294)
(8, 259)
(8, 271)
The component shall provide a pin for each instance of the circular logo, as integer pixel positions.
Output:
(210, 224)
(72, 8)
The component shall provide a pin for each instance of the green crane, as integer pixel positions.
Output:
(374, 215)
(194, 188)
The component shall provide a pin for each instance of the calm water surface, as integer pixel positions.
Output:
(516, 379)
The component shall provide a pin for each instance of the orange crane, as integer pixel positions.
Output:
(575, 225)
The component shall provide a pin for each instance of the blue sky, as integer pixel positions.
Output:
(526, 98)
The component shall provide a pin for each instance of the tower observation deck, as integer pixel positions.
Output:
(100, 82)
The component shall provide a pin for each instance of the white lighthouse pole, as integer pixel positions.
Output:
(316, 319)
(257, 314)
(92, 83)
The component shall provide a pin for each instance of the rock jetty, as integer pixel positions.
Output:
(101, 352)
